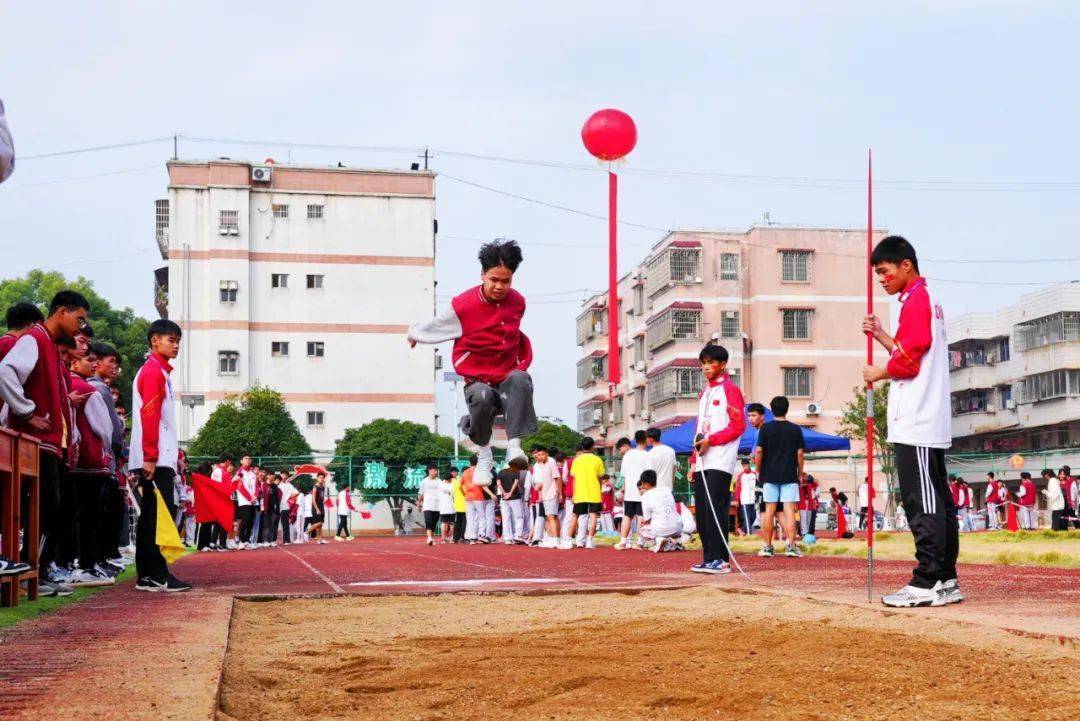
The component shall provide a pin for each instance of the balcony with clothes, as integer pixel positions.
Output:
(161, 291)
(592, 324)
(592, 369)
(680, 321)
(983, 410)
(677, 264)
(1063, 327)
(676, 380)
(590, 413)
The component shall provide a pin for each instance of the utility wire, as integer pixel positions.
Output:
(94, 148)
(156, 166)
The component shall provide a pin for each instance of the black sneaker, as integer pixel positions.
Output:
(175, 585)
(10, 568)
(50, 588)
(149, 585)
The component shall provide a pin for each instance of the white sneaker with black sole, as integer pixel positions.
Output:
(10, 568)
(950, 592)
(49, 588)
(913, 596)
(86, 579)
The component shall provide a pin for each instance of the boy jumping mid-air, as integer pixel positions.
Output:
(490, 353)
(919, 423)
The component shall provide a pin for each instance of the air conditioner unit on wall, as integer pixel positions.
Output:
(813, 409)
(261, 174)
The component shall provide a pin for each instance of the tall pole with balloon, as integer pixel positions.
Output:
(609, 135)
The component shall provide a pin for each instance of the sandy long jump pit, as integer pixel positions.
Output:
(686, 654)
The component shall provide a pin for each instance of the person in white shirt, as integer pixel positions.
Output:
(864, 503)
(344, 508)
(661, 524)
(747, 482)
(634, 462)
(288, 493)
(548, 480)
(1055, 501)
(660, 458)
(428, 502)
(246, 501)
(446, 508)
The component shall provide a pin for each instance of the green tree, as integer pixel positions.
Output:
(853, 426)
(256, 423)
(399, 444)
(555, 435)
(121, 329)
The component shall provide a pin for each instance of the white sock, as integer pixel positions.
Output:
(483, 453)
(513, 448)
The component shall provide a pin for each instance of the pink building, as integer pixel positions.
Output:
(786, 302)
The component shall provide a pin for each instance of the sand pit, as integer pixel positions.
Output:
(688, 654)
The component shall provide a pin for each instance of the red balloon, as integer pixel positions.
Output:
(609, 134)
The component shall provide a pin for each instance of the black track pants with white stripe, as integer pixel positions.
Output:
(931, 512)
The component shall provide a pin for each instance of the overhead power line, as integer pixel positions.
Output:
(94, 148)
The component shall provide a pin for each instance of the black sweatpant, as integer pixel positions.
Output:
(285, 527)
(113, 519)
(459, 526)
(247, 524)
(342, 526)
(51, 475)
(268, 527)
(67, 547)
(712, 497)
(89, 514)
(931, 512)
(149, 563)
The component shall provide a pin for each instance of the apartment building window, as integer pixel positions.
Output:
(314, 212)
(314, 281)
(639, 349)
(1061, 383)
(281, 211)
(639, 299)
(674, 383)
(673, 325)
(1051, 329)
(798, 382)
(229, 220)
(161, 221)
(797, 323)
(279, 348)
(729, 266)
(1005, 397)
(796, 266)
(316, 349)
(228, 363)
(674, 266)
(316, 418)
(590, 324)
(977, 401)
(639, 403)
(729, 324)
(736, 376)
(590, 415)
(227, 290)
(590, 370)
(279, 280)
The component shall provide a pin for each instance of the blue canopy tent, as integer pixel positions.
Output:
(681, 438)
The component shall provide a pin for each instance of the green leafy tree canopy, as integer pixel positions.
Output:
(257, 423)
(554, 435)
(121, 329)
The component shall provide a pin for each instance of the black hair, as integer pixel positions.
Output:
(449, 475)
(624, 441)
(474, 459)
(537, 448)
(204, 468)
(23, 315)
(68, 300)
(500, 252)
(224, 457)
(746, 461)
(990, 474)
(65, 341)
(648, 476)
(1068, 471)
(1024, 475)
(779, 406)
(104, 350)
(639, 437)
(431, 466)
(162, 326)
(587, 443)
(713, 352)
(894, 249)
(755, 408)
(653, 433)
(86, 330)
(1048, 472)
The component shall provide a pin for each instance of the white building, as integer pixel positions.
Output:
(302, 279)
(1015, 374)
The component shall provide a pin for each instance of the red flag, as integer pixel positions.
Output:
(213, 501)
(1010, 518)
(841, 522)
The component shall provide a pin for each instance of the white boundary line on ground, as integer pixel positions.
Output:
(458, 582)
(317, 572)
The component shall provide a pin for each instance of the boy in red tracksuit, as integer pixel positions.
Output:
(154, 454)
(490, 353)
(34, 387)
(920, 418)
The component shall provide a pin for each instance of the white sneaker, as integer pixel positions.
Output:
(513, 450)
(589, 543)
(621, 545)
(566, 545)
(339, 539)
(485, 465)
(509, 542)
(950, 591)
(659, 545)
(324, 542)
(912, 596)
(82, 578)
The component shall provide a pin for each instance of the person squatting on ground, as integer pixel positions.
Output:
(779, 456)
(720, 425)
(661, 525)
(919, 423)
(491, 353)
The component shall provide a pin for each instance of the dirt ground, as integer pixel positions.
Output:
(686, 654)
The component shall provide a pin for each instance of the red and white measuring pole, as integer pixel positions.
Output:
(869, 386)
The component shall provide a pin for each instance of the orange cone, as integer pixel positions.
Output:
(1011, 523)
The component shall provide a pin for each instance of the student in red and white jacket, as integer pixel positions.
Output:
(154, 454)
(720, 425)
(490, 353)
(1027, 496)
(920, 418)
(995, 497)
(247, 495)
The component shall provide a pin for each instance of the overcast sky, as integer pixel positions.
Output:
(943, 91)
